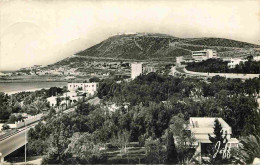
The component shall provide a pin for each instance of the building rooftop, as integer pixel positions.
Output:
(205, 125)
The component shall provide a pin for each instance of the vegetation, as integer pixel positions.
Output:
(218, 144)
(219, 66)
(152, 110)
(250, 148)
(147, 46)
(26, 102)
(222, 42)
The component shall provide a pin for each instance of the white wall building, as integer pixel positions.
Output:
(235, 61)
(200, 127)
(204, 54)
(179, 60)
(257, 58)
(136, 70)
(149, 69)
(90, 88)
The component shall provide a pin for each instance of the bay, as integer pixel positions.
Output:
(15, 87)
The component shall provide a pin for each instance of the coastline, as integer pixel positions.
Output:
(26, 90)
(30, 86)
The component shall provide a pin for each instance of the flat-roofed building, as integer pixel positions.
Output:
(179, 60)
(201, 127)
(235, 61)
(90, 88)
(204, 54)
(256, 58)
(136, 70)
(149, 69)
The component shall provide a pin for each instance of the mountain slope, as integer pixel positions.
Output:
(143, 46)
(135, 46)
(147, 46)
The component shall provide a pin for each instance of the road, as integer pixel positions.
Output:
(16, 140)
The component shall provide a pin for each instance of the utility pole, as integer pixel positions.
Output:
(66, 100)
(25, 142)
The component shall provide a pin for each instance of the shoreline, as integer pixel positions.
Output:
(17, 87)
(27, 81)
(26, 90)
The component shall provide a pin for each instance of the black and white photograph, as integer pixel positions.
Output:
(129, 82)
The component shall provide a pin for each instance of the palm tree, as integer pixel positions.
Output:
(250, 148)
(38, 106)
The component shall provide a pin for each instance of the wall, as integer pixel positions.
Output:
(28, 121)
(227, 75)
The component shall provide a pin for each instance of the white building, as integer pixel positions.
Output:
(204, 54)
(90, 88)
(179, 60)
(235, 61)
(257, 58)
(136, 70)
(52, 100)
(201, 127)
(148, 69)
(71, 95)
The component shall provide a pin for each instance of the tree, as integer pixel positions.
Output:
(184, 140)
(58, 143)
(155, 151)
(5, 127)
(84, 148)
(121, 140)
(219, 142)
(5, 109)
(38, 106)
(249, 149)
(13, 118)
(94, 79)
(172, 156)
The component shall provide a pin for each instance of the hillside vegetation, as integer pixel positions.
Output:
(150, 46)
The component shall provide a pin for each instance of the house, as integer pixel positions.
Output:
(148, 69)
(204, 54)
(201, 127)
(90, 88)
(52, 100)
(235, 61)
(256, 58)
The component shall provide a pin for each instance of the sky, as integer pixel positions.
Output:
(37, 32)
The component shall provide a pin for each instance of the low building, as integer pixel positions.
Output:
(202, 127)
(52, 100)
(179, 61)
(256, 58)
(235, 61)
(90, 88)
(148, 69)
(204, 54)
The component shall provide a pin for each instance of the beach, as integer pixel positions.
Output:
(11, 88)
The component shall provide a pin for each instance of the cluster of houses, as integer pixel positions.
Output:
(202, 55)
(76, 91)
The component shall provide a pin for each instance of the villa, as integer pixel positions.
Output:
(202, 127)
(89, 88)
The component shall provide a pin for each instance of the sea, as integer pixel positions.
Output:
(15, 87)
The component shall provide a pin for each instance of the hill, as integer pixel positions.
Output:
(150, 46)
